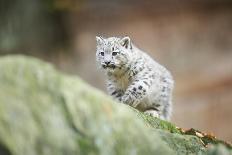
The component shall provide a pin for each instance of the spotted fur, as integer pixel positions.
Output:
(134, 78)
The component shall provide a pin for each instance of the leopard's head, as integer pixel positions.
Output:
(113, 54)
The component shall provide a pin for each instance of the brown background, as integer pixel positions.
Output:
(193, 39)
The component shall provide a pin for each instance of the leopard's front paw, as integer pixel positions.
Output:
(127, 100)
(152, 112)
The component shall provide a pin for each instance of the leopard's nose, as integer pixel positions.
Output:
(107, 62)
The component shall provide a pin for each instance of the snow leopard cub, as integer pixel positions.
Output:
(134, 78)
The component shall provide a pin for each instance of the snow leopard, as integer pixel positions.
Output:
(134, 78)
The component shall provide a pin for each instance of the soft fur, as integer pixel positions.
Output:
(134, 78)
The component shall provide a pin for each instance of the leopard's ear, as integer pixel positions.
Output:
(126, 42)
(99, 40)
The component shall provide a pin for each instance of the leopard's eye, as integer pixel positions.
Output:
(102, 53)
(114, 53)
(112, 48)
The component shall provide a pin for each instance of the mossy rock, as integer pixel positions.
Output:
(45, 112)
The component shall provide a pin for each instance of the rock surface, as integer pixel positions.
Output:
(45, 112)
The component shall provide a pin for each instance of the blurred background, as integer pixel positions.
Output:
(193, 39)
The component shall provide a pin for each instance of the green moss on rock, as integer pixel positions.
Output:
(43, 111)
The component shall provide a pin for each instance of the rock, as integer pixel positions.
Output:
(43, 111)
(218, 150)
